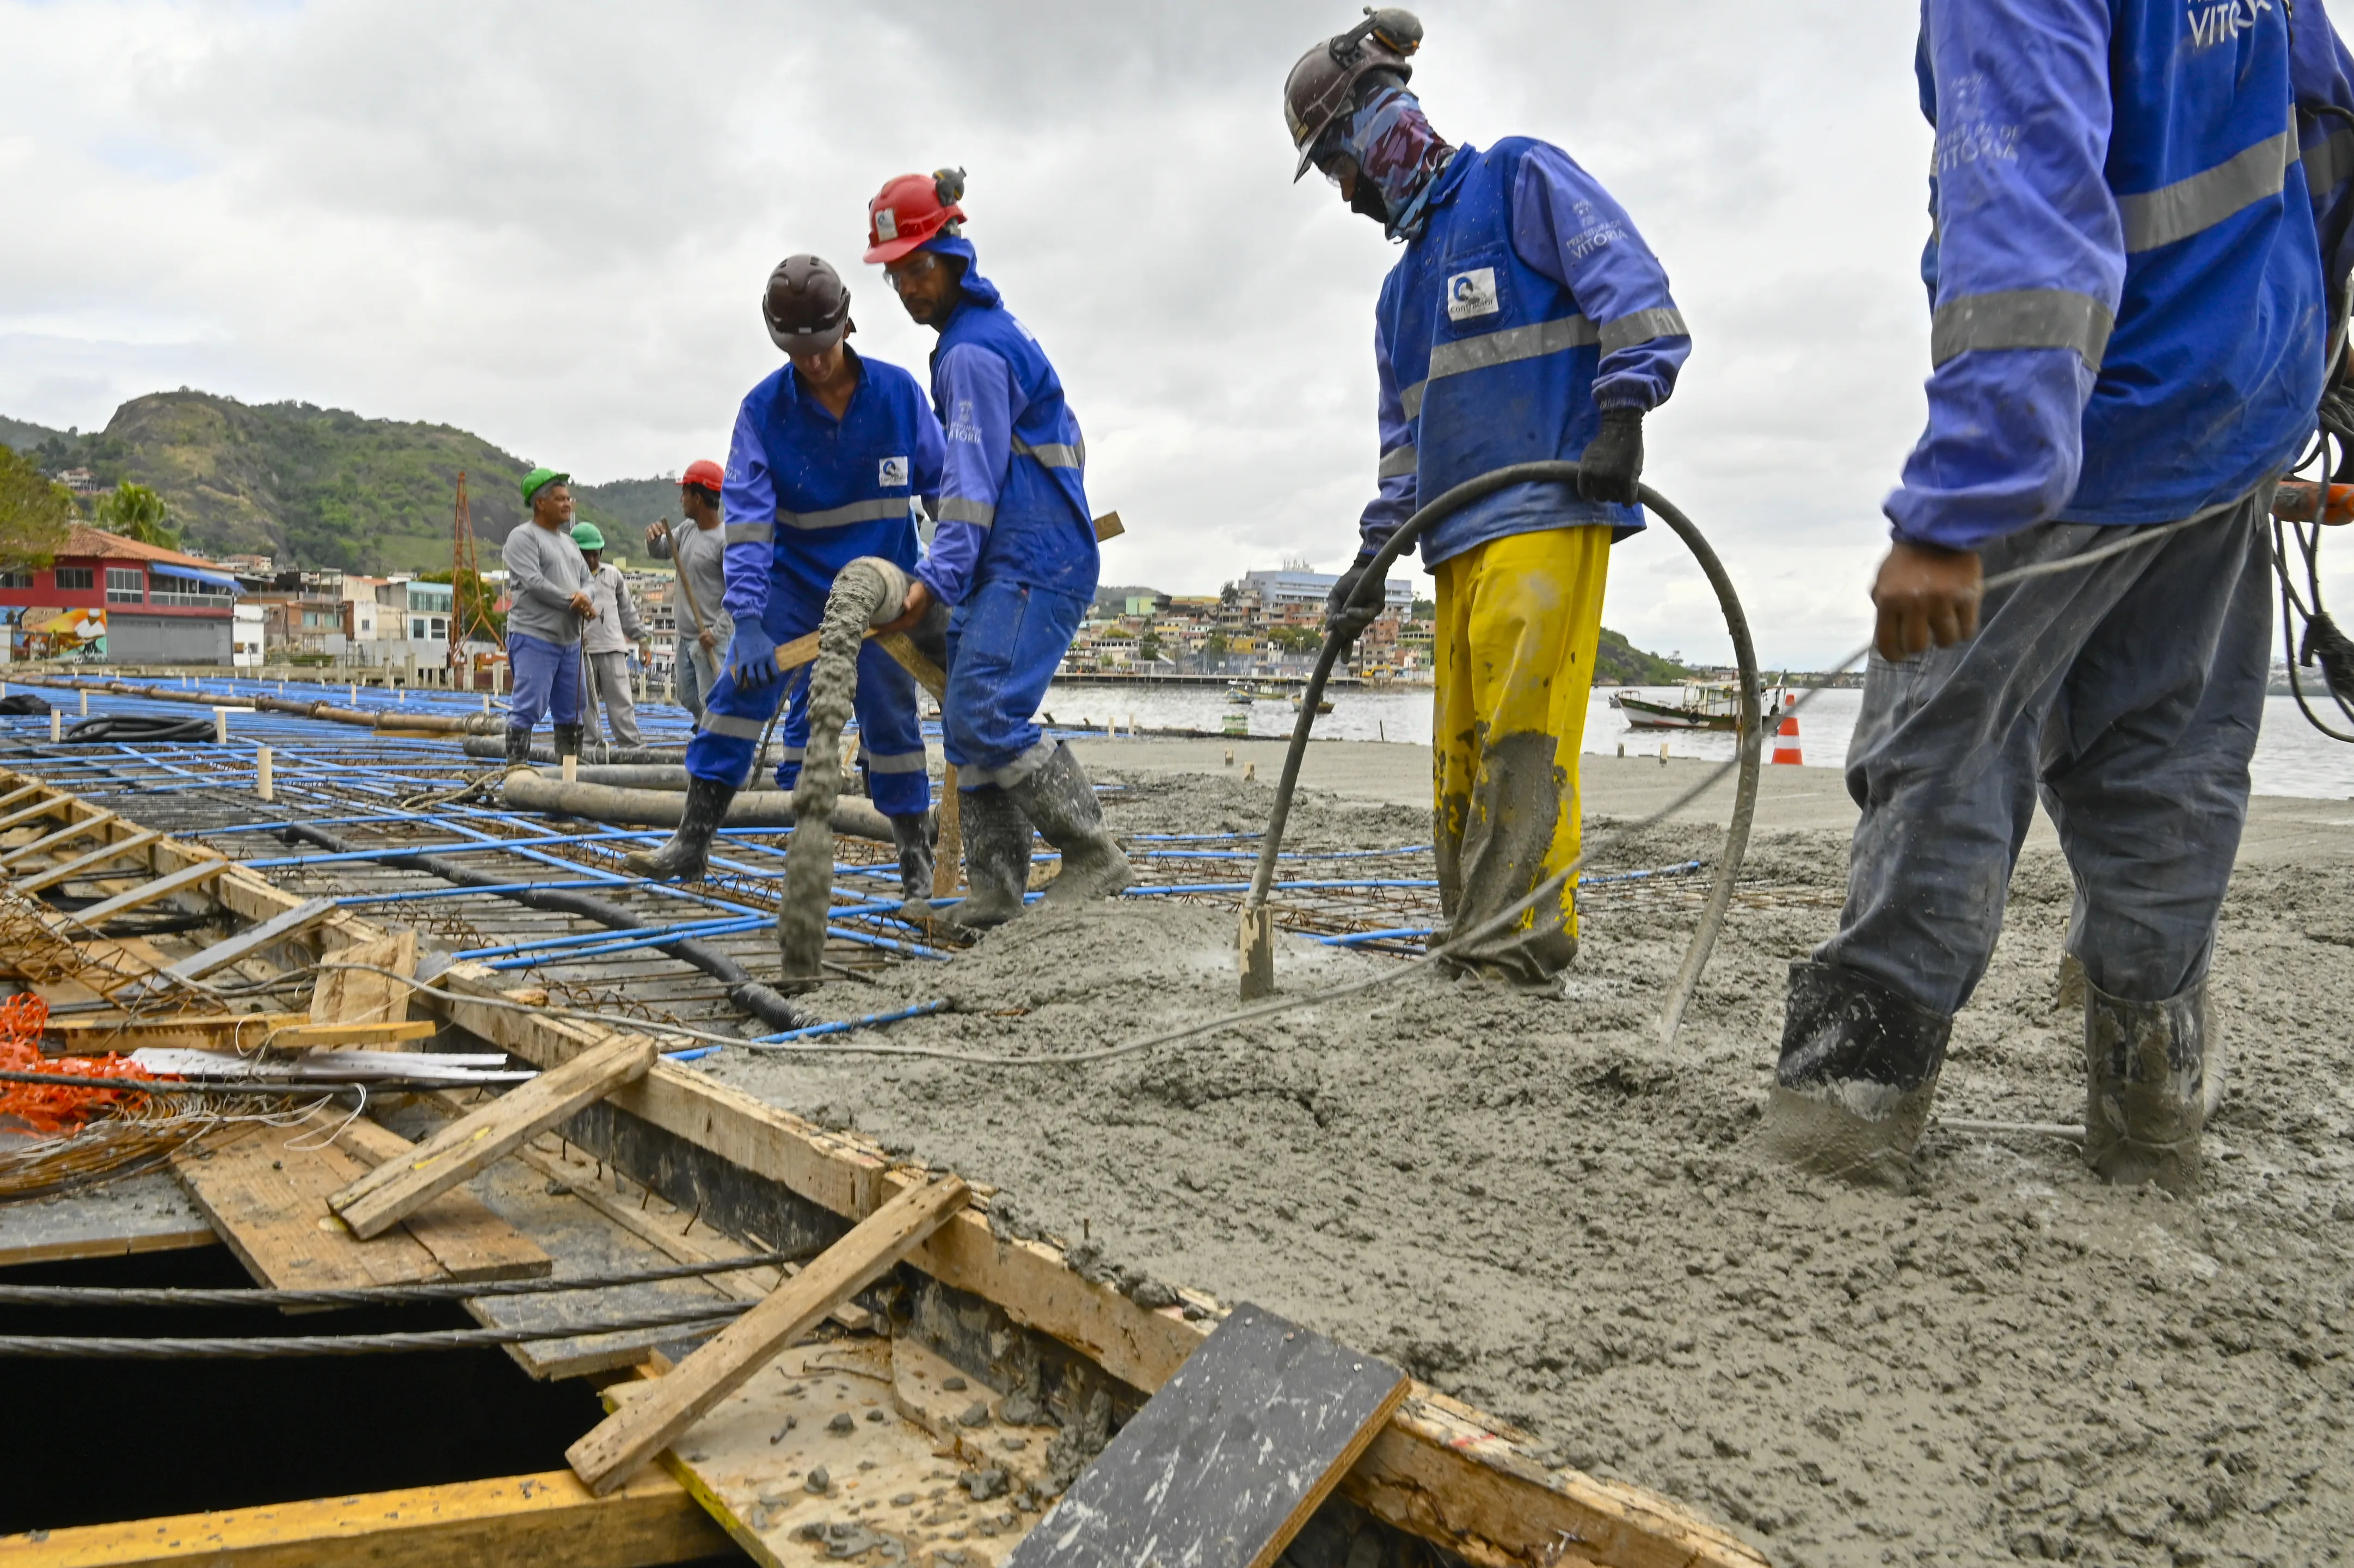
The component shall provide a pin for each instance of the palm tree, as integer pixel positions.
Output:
(136, 512)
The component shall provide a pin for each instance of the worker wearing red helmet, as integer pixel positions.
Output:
(1013, 557)
(699, 545)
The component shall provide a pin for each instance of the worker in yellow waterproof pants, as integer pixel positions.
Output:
(1519, 620)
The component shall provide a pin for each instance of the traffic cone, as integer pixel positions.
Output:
(1785, 743)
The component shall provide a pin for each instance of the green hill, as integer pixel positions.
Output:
(1619, 662)
(25, 437)
(315, 487)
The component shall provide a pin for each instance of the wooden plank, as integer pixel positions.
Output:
(356, 996)
(18, 792)
(307, 1036)
(1109, 526)
(242, 1032)
(928, 675)
(388, 1194)
(267, 1198)
(253, 939)
(79, 828)
(188, 876)
(52, 806)
(618, 1447)
(142, 1213)
(547, 1521)
(1225, 1464)
(465, 1238)
(749, 1462)
(67, 870)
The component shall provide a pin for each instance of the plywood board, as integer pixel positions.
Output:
(465, 1238)
(265, 1190)
(356, 996)
(1225, 1464)
(143, 1213)
(547, 1521)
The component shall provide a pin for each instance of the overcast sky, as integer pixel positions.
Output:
(551, 224)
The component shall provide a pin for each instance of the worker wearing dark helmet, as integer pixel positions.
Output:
(2137, 250)
(1013, 557)
(1526, 321)
(829, 453)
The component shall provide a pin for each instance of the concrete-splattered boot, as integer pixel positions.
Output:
(1061, 804)
(1858, 1075)
(2146, 1088)
(518, 747)
(567, 742)
(688, 852)
(996, 858)
(914, 836)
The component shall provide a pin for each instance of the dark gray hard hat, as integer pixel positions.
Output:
(1325, 79)
(806, 308)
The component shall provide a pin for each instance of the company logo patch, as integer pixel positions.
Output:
(1472, 294)
(893, 472)
(886, 224)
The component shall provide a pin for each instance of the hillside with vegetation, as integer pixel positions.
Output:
(314, 487)
(1619, 662)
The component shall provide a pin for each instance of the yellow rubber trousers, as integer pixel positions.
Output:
(1519, 620)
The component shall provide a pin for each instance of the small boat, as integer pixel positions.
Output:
(1706, 704)
(1323, 704)
(1241, 693)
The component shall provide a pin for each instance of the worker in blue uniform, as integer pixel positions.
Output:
(1013, 557)
(1526, 321)
(2137, 253)
(829, 454)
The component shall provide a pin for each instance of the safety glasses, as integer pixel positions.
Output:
(900, 273)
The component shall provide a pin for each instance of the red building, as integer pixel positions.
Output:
(110, 600)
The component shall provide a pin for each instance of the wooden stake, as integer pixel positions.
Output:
(264, 787)
(1257, 951)
(625, 1440)
(391, 1192)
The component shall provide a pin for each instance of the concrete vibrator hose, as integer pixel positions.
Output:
(1257, 921)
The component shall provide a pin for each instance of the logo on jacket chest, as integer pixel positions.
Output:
(1472, 294)
(891, 473)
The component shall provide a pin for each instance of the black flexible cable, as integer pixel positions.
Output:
(52, 1347)
(92, 1296)
(763, 1002)
(138, 729)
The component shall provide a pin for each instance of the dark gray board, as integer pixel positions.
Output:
(1225, 1464)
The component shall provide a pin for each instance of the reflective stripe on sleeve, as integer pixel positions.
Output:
(2187, 206)
(900, 762)
(791, 753)
(1053, 454)
(877, 511)
(2022, 318)
(2328, 163)
(1399, 461)
(1642, 326)
(1505, 347)
(763, 532)
(963, 509)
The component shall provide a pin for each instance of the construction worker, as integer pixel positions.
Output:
(606, 643)
(2132, 308)
(700, 550)
(829, 454)
(548, 582)
(1013, 557)
(1526, 321)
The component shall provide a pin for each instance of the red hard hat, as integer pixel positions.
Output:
(909, 210)
(704, 474)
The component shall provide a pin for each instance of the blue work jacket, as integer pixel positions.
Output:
(1013, 503)
(1527, 305)
(2139, 214)
(807, 493)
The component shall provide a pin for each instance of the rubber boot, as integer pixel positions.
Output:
(518, 747)
(684, 857)
(567, 742)
(2145, 1087)
(1858, 1075)
(1061, 804)
(996, 858)
(914, 837)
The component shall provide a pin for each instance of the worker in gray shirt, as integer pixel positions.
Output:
(548, 583)
(606, 642)
(700, 548)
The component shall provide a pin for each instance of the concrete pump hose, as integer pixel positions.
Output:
(1370, 587)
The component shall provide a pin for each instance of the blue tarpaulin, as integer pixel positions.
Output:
(193, 574)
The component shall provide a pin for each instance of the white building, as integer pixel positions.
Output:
(248, 624)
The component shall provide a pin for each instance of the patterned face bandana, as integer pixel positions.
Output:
(1398, 157)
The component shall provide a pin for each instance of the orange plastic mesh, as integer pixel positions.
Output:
(38, 1108)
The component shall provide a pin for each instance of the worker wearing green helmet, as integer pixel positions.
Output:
(606, 642)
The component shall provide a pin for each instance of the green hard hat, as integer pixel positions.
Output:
(585, 535)
(539, 478)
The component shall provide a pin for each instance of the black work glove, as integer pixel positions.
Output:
(1612, 463)
(1342, 618)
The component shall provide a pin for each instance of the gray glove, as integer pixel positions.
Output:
(1344, 618)
(1611, 466)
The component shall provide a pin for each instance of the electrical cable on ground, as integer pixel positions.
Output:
(50, 1346)
(91, 1295)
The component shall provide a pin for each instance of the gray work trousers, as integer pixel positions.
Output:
(2129, 692)
(606, 677)
(694, 674)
